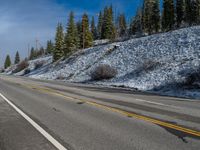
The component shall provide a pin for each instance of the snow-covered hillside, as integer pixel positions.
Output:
(43, 61)
(155, 62)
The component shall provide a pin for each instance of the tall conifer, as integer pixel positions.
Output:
(71, 37)
(94, 29)
(99, 25)
(108, 28)
(59, 42)
(50, 47)
(86, 35)
(122, 25)
(180, 12)
(168, 15)
(17, 58)
(7, 62)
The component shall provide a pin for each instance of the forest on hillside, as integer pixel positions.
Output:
(149, 19)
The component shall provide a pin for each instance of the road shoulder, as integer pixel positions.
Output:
(16, 133)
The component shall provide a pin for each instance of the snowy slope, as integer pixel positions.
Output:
(44, 60)
(146, 63)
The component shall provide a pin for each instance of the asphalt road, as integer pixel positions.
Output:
(86, 117)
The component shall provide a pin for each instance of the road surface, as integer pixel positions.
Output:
(50, 115)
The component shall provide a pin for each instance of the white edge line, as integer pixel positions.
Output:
(156, 103)
(35, 125)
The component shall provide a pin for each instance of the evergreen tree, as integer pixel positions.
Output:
(145, 17)
(7, 62)
(59, 41)
(50, 47)
(94, 29)
(168, 16)
(156, 16)
(32, 54)
(122, 27)
(86, 35)
(36, 53)
(99, 26)
(79, 30)
(136, 24)
(79, 27)
(192, 11)
(198, 13)
(198, 18)
(17, 58)
(151, 16)
(180, 12)
(71, 37)
(41, 52)
(188, 11)
(108, 28)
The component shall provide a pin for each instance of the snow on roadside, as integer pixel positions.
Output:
(147, 63)
(100, 42)
(45, 60)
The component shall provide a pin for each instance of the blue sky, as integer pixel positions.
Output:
(22, 21)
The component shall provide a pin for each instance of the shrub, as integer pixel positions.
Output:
(60, 77)
(2, 70)
(21, 66)
(192, 79)
(27, 71)
(38, 64)
(70, 75)
(103, 71)
(150, 65)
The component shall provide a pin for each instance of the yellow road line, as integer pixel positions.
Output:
(122, 112)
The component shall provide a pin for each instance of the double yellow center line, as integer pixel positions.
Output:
(122, 112)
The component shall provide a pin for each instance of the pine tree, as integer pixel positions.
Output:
(32, 54)
(195, 12)
(151, 16)
(155, 16)
(108, 28)
(199, 12)
(41, 51)
(59, 41)
(17, 58)
(79, 30)
(71, 37)
(94, 29)
(198, 20)
(99, 26)
(168, 15)
(145, 18)
(7, 62)
(192, 12)
(86, 35)
(188, 11)
(50, 47)
(180, 12)
(122, 27)
(136, 24)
